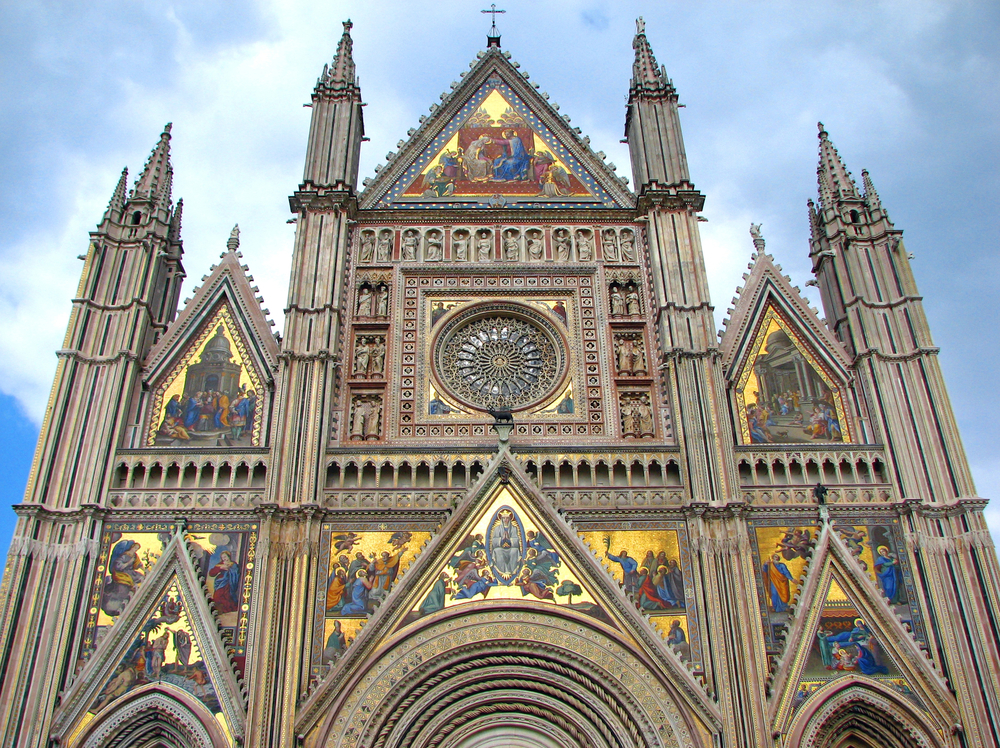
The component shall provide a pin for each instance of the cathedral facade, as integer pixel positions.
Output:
(501, 482)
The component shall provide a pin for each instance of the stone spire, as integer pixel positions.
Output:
(872, 199)
(155, 181)
(652, 124)
(343, 71)
(834, 179)
(117, 203)
(647, 77)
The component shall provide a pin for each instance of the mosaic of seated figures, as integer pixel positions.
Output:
(513, 244)
(222, 552)
(784, 393)
(212, 396)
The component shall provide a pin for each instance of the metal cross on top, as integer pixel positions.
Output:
(493, 12)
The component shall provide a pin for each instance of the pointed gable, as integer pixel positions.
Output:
(494, 142)
(168, 641)
(505, 547)
(788, 373)
(220, 343)
(846, 629)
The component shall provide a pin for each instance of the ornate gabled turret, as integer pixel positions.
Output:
(153, 186)
(652, 125)
(337, 126)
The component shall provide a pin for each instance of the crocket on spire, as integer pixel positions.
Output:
(343, 70)
(646, 75)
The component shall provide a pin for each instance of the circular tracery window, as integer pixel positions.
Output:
(499, 357)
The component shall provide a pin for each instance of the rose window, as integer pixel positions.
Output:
(502, 361)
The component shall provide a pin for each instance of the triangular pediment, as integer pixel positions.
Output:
(167, 638)
(496, 142)
(845, 628)
(787, 373)
(210, 373)
(504, 547)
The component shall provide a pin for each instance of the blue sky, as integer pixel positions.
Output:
(908, 90)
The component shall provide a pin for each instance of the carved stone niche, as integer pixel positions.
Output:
(368, 360)
(624, 298)
(627, 245)
(434, 245)
(636, 415)
(365, 418)
(462, 245)
(584, 245)
(366, 247)
(409, 248)
(372, 299)
(535, 245)
(511, 245)
(484, 245)
(562, 245)
(383, 247)
(630, 354)
(609, 245)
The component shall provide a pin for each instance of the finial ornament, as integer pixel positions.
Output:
(822, 130)
(758, 238)
(234, 239)
(493, 12)
(640, 25)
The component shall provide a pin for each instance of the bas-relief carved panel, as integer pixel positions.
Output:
(784, 394)
(654, 567)
(213, 395)
(225, 554)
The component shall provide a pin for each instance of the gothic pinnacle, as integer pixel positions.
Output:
(117, 203)
(155, 181)
(646, 74)
(343, 70)
(835, 181)
(174, 233)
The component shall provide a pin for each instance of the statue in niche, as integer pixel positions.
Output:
(382, 301)
(609, 245)
(358, 418)
(435, 249)
(645, 412)
(617, 301)
(383, 252)
(629, 424)
(377, 358)
(512, 246)
(628, 246)
(367, 246)
(362, 357)
(638, 357)
(411, 242)
(535, 248)
(584, 246)
(624, 351)
(563, 244)
(484, 248)
(373, 419)
(460, 247)
(632, 299)
(365, 301)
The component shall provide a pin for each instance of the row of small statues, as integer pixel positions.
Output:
(467, 246)
(630, 356)
(373, 301)
(637, 416)
(369, 358)
(624, 299)
(366, 417)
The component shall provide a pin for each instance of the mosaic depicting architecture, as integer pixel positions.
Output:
(499, 481)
